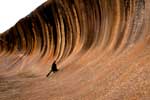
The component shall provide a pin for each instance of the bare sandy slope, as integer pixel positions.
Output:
(102, 49)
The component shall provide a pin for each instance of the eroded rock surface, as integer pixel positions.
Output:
(102, 48)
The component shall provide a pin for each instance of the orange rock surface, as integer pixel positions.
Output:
(102, 50)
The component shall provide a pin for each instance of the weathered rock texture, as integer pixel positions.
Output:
(102, 48)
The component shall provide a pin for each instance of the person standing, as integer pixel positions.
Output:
(53, 68)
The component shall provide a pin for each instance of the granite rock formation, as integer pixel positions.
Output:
(102, 48)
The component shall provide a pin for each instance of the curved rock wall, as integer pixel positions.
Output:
(103, 41)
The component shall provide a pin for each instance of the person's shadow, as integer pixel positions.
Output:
(53, 69)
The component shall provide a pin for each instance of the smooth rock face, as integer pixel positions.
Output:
(101, 47)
